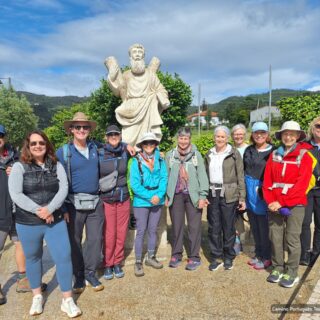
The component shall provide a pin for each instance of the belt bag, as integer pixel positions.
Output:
(108, 182)
(84, 201)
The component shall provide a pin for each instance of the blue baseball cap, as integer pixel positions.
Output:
(2, 129)
(260, 126)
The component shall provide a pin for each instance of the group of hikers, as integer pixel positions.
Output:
(54, 196)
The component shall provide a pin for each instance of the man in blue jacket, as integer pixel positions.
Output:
(80, 159)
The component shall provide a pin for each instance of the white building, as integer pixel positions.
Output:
(262, 114)
(193, 118)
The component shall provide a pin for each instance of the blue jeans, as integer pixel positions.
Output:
(57, 240)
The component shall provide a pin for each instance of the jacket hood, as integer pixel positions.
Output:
(296, 150)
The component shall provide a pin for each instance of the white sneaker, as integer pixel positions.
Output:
(70, 308)
(37, 305)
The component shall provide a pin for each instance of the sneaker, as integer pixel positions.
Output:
(23, 285)
(215, 265)
(261, 265)
(70, 308)
(118, 272)
(275, 276)
(154, 263)
(228, 264)
(253, 261)
(79, 285)
(174, 262)
(193, 265)
(37, 305)
(3, 299)
(108, 273)
(288, 282)
(138, 269)
(92, 280)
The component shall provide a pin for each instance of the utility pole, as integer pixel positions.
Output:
(270, 93)
(199, 109)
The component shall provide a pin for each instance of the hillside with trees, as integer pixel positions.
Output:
(236, 109)
(45, 107)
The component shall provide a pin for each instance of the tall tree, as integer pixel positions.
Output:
(17, 115)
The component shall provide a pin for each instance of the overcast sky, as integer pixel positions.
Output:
(57, 47)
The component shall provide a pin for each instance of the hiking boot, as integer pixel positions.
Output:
(215, 265)
(70, 308)
(118, 272)
(275, 276)
(3, 299)
(288, 282)
(37, 305)
(79, 285)
(228, 264)
(92, 280)
(193, 265)
(174, 262)
(261, 265)
(138, 269)
(108, 273)
(23, 286)
(154, 263)
(253, 261)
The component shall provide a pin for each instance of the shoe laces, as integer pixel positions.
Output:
(286, 277)
(276, 273)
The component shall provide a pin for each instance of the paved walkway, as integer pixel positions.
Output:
(241, 293)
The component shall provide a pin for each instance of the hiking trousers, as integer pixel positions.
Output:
(85, 261)
(286, 231)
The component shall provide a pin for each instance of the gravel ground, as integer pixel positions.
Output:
(241, 293)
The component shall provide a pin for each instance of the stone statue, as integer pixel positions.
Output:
(143, 96)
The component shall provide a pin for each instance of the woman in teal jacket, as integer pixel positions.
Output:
(148, 180)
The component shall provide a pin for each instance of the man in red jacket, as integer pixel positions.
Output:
(287, 180)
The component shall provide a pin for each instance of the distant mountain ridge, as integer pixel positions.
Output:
(251, 101)
(45, 107)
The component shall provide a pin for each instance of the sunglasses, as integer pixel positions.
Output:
(149, 143)
(317, 125)
(85, 128)
(34, 143)
(1, 135)
(113, 134)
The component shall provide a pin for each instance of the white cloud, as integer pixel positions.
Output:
(225, 46)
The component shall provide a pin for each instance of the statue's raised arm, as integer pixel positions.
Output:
(143, 96)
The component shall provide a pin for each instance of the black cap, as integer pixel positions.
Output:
(112, 129)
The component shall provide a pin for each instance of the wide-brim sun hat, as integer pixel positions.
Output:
(291, 125)
(79, 117)
(148, 136)
(260, 126)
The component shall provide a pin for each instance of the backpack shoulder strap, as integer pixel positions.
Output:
(67, 160)
(140, 168)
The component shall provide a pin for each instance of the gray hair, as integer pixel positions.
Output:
(137, 45)
(222, 128)
(237, 127)
(184, 131)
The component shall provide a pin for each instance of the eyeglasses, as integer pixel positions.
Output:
(34, 143)
(149, 143)
(113, 134)
(85, 128)
(1, 135)
(317, 125)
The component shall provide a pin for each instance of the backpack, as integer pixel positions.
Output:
(194, 159)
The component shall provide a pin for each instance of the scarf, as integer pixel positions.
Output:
(148, 159)
(183, 176)
(114, 150)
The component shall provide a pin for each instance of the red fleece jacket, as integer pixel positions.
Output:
(299, 176)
